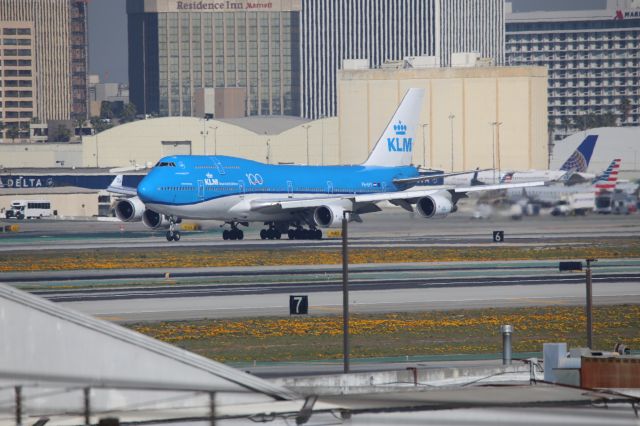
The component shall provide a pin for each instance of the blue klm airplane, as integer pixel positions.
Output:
(292, 199)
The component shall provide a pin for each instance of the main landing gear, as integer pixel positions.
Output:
(173, 234)
(304, 234)
(272, 233)
(232, 234)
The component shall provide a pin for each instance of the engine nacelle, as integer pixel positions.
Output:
(130, 209)
(434, 206)
(154, 220)
(329, 216)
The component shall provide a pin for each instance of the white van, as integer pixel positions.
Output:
(29, 209)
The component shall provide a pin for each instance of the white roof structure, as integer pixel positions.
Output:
(613, 142)
(55, 353)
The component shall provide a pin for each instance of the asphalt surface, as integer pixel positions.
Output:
(171, 294)
(390, 228)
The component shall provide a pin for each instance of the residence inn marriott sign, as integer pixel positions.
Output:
(221, 6)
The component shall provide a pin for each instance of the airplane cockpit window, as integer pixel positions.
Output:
(165, 164)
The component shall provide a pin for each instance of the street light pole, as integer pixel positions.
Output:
(215, 140)
(424, 145)
(268, 152)
(451, 117)
(589, 304)
(494, 124)
(204, 135)
(306, 127)
(345, 291)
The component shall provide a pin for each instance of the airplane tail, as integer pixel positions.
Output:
(608, 179)
(579, 160)
(395, 146)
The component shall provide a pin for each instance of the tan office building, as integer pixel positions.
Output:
(456, 130)
(17, 79)
(58, 54)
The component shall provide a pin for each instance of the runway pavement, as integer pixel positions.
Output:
(374, 289)
(394, 228)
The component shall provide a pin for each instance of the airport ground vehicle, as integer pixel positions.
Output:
(577, 204)
(29, 209)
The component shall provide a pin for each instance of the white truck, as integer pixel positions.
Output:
(577, 204)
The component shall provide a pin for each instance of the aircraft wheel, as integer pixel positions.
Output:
(291, 234)
(176, 236)
(225, 235)
(318, 234)
(278, 235)
(240, 234)
(263, 234)
(169, 236)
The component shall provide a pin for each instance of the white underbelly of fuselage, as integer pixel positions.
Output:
(230, 208)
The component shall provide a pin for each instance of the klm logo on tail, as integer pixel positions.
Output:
(400, 143)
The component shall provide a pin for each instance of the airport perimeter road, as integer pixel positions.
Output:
(444, 288)
(392, 227)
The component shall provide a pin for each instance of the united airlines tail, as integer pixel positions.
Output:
(395, 146)
(579, 160)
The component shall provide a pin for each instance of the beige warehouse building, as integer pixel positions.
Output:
(459, 107)
(472, 97)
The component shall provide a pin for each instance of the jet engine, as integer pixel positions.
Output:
(154, 220)
(329, 216)
(437, 205)
(129, 209)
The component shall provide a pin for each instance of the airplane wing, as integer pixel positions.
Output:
(312, 202)
(425, 178)
(117, 188)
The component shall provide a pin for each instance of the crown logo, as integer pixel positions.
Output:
(209, 175)
(400, 128)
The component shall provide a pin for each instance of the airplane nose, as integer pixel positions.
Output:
(145, 192)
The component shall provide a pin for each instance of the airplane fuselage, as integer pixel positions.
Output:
(223, 188)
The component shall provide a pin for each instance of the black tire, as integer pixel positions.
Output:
(291, 234)
(263, 234)
(225, 235)
(176, 236)
(240, 234)
(169, 236)
(318, 234)
(233, 234)
(278, 234)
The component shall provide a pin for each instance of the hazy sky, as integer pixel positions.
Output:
(108, 31)
(108, 40)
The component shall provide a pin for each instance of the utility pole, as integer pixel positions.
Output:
(451, 117)
(345, 290)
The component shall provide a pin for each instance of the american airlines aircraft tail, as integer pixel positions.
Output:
(608, 179)
(395, 146)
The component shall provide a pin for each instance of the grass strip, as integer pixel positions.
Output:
(197, 257)
(398, 334)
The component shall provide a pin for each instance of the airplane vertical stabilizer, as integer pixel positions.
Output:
(579, 160)
(608, 179)
(395, 146)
